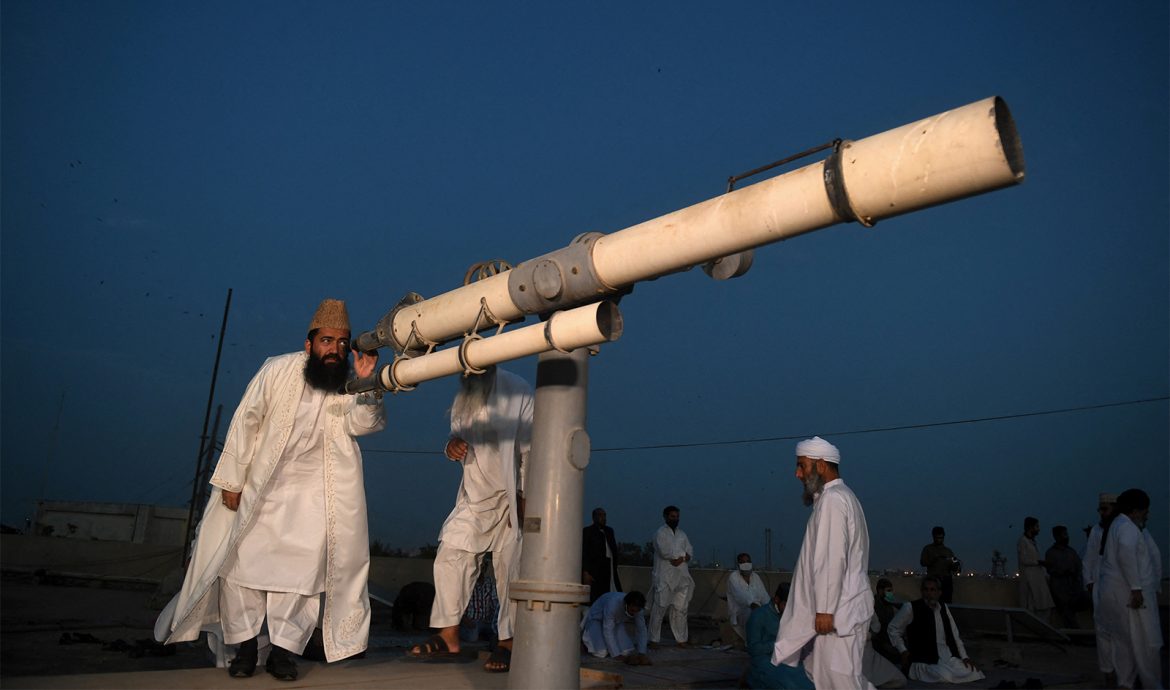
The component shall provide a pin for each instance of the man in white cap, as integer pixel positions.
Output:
(1090, 574)
(830, 602)
(286, 521)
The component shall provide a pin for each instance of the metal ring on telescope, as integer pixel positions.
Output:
(834, 177)
(468, 370)
(548, 334)
(395, 386)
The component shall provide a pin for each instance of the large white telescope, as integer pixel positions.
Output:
(956, 154)
(959, 153)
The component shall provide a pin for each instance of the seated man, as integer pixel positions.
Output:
(483, 610)
(605, 628)
(928, 639)
(761, 629)
(885, 607)
(745, 591)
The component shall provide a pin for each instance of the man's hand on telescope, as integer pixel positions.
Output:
(364, 363)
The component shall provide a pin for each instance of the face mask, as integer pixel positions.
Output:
(888, 596)
(745, 567)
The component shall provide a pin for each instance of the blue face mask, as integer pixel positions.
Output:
(889, 596)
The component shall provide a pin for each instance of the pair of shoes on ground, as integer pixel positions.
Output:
(280, 663)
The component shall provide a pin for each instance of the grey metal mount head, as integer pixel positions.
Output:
(559, 279)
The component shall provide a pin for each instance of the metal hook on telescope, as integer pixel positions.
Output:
(468, 370)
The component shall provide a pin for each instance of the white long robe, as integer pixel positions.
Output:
(1127, 566)
(831, 576)
(255, 442)
(949, 669)
(741, 595)
(671, 586)
(1090, 574)
(1034, 594)
(486, 514)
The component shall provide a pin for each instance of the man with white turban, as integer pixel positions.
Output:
(286, 521)
(830, 602)
(491, 434)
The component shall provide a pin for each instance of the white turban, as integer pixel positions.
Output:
(818, 448)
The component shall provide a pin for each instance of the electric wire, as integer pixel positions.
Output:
(850, 432)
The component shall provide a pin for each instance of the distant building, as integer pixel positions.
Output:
(138, 523)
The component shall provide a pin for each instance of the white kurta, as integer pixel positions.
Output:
(1034, 594)
(949, 669)
(486, 513)
(255, 443)
(671, 585)
(1126, 566)
(1091, 573)
(831, 576)
(741, 595)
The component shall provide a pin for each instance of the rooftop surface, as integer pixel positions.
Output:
(69, 636)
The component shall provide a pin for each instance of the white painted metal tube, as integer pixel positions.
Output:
(591, 324)
(956, 154)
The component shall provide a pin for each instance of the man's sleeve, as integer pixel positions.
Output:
(231, 472)
(366, 415)
(662, 545)
(831, 557)
(897, 629)
(1129, 541)
(524, 439)
(609, 630)
(924, 559)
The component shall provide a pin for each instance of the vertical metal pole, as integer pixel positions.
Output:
(546, 649)
(203, 437)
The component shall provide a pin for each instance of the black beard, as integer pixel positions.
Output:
(324, 376)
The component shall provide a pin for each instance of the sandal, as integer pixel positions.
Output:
(434, 647)
(499, 662)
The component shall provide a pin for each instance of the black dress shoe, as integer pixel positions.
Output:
(244, 665)
(280, 664)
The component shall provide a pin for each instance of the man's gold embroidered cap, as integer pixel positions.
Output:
(330, 314)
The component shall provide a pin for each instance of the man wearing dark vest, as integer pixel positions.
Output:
(599, 558)
(925, 634)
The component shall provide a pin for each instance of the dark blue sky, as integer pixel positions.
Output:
(156, 154)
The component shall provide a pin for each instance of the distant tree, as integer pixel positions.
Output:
(427, 551)
(630, 553)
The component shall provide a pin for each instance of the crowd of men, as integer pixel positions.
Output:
(282, 551)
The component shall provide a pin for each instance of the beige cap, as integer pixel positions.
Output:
(330, 314)
(1107, 498)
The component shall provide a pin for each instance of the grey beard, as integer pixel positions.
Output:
(812, 486)
(470, 402)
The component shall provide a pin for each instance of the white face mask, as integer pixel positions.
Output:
(745, 567)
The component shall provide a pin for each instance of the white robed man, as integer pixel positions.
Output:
(671, 584)
(491, 435)
(1034, 593)
(605, 630)
(1091, 572)
(1131, 573)
(924, 632)
(286, 521)
(745, 592)
(830, 603)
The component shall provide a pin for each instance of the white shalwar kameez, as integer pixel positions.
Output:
(1090, 574)
(740, 597)
(300, 529)
(1129, 565)
(1034, 594)
(831, 576)
(671, 585)
(486, 514)
(949, 669)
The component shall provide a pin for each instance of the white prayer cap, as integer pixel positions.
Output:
(1107, 498)
(818, 448)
